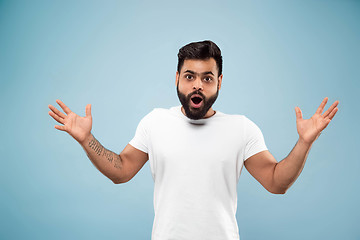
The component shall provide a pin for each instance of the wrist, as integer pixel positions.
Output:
(86, 139)
(304, 142)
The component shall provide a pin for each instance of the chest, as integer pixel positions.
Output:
(194, 149)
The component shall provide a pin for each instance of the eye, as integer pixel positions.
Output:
(189, 77)
(208, 79)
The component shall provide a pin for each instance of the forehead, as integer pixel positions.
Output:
(200, 65)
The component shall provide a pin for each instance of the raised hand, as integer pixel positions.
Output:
(310, 129)
(78, 127)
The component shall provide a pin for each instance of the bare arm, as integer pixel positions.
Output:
(278, 177)
(119, 168)
(288, 170)
(106, 161)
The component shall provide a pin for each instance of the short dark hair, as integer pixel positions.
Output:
(200, 50)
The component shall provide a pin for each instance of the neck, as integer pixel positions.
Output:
(210, 113)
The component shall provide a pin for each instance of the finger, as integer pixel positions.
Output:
(331, 108)
(325, 124)
(88, 110)
(332, 114)
(56, 117)
(63, 106)
(298, 113)
(61, 128)
(322, 105)
(56, 111)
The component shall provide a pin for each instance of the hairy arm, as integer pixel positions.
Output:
(278, 177)
(289, 169)
(106, 161)
(120, 168)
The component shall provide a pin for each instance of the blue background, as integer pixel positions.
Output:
(121, 57)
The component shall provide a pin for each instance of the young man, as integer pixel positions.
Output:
(196, 153)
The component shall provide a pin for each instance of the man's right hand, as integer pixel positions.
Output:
(78, 127)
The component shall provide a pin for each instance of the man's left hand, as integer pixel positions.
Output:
(310, 129)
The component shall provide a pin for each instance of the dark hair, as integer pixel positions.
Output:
(200, 50)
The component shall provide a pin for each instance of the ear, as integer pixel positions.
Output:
(177, 78)
(220, 81)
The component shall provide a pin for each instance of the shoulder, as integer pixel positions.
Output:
(155, 115)
(238, 118)
(242, 121)
(156, 112)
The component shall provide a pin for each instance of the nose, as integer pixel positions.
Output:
(198, 84)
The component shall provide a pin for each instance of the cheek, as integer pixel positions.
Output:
(212, 89)
(185, 87)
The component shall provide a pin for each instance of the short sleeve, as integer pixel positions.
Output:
(255, 142)
(140, 140)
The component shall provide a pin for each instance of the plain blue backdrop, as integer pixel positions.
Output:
(121, 57)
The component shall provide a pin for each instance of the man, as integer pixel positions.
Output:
(196, 153)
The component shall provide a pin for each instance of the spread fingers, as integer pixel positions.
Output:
(330, 110)
(56, 117)
(332, 114)
(63, 106)
(322, 105)
(56, 111)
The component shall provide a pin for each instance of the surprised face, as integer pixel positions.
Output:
(198, 87)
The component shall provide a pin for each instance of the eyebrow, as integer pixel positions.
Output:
(204, 73)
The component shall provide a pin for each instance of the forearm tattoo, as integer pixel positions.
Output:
(95, 145)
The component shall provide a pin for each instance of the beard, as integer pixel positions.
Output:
(196, 113)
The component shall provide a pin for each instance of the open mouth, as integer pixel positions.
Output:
(196, 101)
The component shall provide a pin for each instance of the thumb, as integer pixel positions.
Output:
(88, 110)
(298, 113)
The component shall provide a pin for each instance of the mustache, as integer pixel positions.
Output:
(196, 92)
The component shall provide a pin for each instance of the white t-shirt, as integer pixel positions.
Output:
(196, 165)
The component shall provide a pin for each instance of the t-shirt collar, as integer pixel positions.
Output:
(178, 112)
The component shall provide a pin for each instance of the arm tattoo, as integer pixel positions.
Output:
(95, 145)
